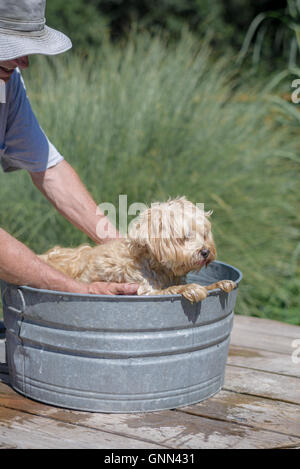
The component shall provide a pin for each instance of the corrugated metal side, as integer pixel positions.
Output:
(118, 354)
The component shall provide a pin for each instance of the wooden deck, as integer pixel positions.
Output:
(259, 406)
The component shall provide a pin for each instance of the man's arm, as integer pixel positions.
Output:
(63, 188)
(20, 266)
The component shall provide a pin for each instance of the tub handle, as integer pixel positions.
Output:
(23, 303)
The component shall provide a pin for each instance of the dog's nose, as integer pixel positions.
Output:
(205, 253)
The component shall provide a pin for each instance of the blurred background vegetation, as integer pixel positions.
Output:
(178, 97)
(87, 22)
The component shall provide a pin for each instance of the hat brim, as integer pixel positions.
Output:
(50, 42)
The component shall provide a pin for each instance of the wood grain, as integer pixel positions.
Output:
(259, 406)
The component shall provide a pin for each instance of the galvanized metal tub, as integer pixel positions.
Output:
(119, 353)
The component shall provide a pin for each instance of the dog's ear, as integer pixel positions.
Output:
(151, 231)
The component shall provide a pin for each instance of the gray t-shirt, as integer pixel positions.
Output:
(23, 144)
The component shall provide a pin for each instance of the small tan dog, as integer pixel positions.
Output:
(164, 243)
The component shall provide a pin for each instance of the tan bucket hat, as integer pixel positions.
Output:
(23, 30)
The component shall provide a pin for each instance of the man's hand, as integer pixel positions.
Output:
(20, 266)
(110, 288)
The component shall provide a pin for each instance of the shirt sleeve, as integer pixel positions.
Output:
(26, 145)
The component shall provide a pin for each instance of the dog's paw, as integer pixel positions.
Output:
(194, 292)
(226, 285)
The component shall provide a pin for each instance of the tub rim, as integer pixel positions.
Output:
(126, 297)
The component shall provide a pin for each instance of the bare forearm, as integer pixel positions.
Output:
(64, 189)
(20, 266)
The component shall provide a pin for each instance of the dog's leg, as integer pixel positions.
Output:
(225, 285)
(195, 292)
(191, 291)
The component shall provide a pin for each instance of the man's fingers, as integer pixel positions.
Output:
(125, 288)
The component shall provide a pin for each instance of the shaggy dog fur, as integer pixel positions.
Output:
(164, 243)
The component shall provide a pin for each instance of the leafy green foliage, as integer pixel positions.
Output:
(79, 19)
(287, 21)
(87, 21)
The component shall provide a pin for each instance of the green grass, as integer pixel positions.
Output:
(153, 121)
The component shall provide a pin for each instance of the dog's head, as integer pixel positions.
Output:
(176, 233)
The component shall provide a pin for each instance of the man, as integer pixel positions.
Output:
(23, 145)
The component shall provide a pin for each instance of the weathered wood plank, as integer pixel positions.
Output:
(179, 430)
(262, 360)
(250, 410)
(34, 432)
(166, 428)
(4, 446)
(259, 370)
(258, 337)
(267, 326)
(261, 383)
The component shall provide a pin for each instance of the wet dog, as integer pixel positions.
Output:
(164, 243)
